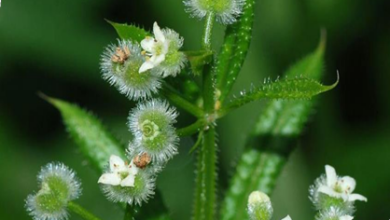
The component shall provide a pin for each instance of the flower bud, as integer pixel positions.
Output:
(58, 186)
(226, 11)
(120, 64)
(259, 206)
(151, 123)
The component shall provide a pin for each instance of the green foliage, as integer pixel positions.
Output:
(198, 59)
(285, 117)
(234, 50)
(275, 131)
(255, 171)
(129, 32)
(287, 88)
(93, 139)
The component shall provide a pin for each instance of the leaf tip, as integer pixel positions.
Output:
(322, 43)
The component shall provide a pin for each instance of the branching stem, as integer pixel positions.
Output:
(83, 213)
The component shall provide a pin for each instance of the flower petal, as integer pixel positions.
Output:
(148, 44)
(346, 217)
(287, 218)
(331, 176)
(147, 65)
(157, 59)
(347, 184)
(110, 179)
(329, 191)
(354, 197)
(128, 181)
(158, 34)
(133, 169)
(116, 163)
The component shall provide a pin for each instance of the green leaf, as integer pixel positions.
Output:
(129, 32)
(93, 139)
(287, 118)
(255, 171)
(272, 139)
(234, 50)
(287, 88)
(198, 59)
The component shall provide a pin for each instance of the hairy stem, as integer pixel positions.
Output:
(84, 214)
(191, 129)
(129, 212)
(208, 28)
(180, 101)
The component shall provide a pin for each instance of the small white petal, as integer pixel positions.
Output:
(287, 218)
(158, 34)
(116, 163)
(157, 59)
(331, 176)
(346, 217)
(133, 169)
(354, 197)
(329, 191)
(110, 179)
(148, 44)
(147, 65)
(128, 181)
(347, 184)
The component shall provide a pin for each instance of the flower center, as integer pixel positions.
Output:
(123, 174)
(159, 48)
(150, 130)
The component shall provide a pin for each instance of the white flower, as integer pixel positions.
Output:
(120, 173)
(287, 218)
(339, 187)
(346, 217)
(156, 48)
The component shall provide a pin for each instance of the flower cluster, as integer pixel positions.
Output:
(136, 69)
(226, 11)
(333, 195)
(59, 186)
(155, 142)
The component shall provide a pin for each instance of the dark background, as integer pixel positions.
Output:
(54, 47)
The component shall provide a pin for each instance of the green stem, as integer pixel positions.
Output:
(129, 212)
(191, 129)
(208, 28)
(84, 214)
(180, 101)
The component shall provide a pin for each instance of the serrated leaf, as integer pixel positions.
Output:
(287, 118)
(129, 32)
(234, 50)
(92, 138)
(287, 88)
(198, 59)
(276, 133)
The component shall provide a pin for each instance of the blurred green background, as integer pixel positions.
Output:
(54, 46)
